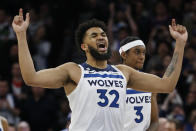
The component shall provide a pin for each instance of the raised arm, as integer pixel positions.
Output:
(50, 78)
(151, 83)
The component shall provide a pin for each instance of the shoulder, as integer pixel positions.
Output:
(3, 121)
(121, 67)
(124, 68)
(127, 71)
(72, 69)
(70, 66)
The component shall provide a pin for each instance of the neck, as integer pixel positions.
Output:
(101, 64)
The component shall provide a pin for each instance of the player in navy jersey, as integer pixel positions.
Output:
(96, 90)
(141, 107)
(3, 124)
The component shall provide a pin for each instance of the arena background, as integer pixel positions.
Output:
(51, 42)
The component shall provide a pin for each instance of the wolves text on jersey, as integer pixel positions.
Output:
(138, 99)
(106, 83)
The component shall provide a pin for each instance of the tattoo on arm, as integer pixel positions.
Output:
(172, 65)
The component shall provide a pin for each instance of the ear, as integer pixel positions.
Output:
(84, 47)
(123, 55)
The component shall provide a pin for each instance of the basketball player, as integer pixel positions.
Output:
(3, 124)
(141, 107)
(95, 89)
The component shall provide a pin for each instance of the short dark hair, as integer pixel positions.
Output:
(82, 28)
(128, 39)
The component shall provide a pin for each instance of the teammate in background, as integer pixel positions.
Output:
(23, 126)
(141, 107)
(96, 90)
(3, 124)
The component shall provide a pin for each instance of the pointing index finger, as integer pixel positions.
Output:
(20, 12)
(173, 22)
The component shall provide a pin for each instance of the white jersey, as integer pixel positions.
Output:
(98, 102)
(138, 110)
(1, 126)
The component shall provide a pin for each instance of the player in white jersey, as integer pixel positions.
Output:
(3, 124)
(101, 106)
(106, 89)
(141, 107)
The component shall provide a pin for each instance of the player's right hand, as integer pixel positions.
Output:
(19, 24)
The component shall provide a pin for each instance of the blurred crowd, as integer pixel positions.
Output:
(51, 43)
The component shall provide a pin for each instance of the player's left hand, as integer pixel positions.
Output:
(178, 32)
(19, 24)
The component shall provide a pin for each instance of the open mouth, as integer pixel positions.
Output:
(101, 46)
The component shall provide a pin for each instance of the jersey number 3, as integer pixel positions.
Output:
(139, 114)
(105, 98)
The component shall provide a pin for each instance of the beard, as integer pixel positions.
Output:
(97, 55)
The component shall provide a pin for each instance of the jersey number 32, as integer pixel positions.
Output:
(105, 98)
